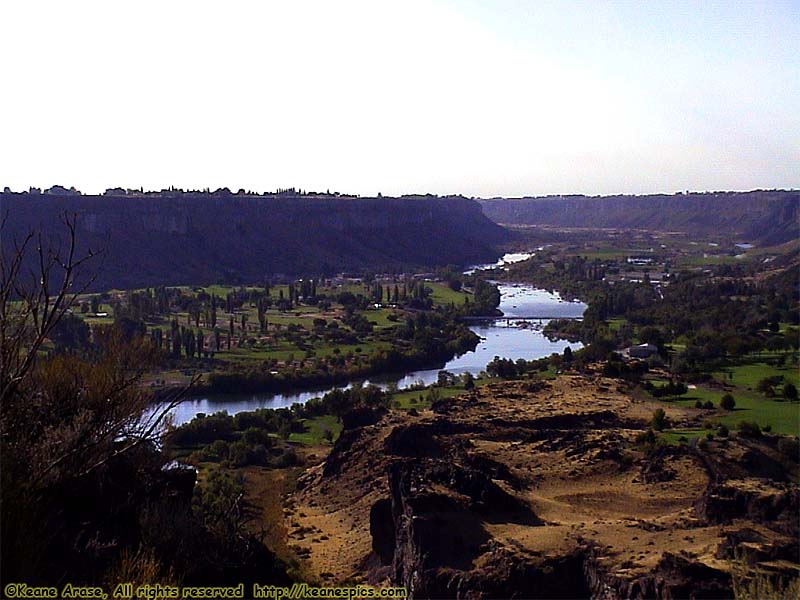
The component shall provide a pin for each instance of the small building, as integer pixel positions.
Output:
(640, 351)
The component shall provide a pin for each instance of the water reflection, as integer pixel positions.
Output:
(505, 338)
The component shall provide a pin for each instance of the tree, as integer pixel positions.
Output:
(728, 402)
(567, 354)
(70, 333)
(63, 419)
(789, 391)
(659, 420)
(766, 386)
(651, 335)
(469, 381)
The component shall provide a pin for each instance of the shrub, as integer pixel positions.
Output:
(216, 451)
(709, 405)
(698, 404)
(287, 458)
(789, 391)
(722, 431)
(659, 420)
(646, 437)
(789, 446)
(728, 402)
(254, 436)
(749, 429)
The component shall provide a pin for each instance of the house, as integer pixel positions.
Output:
(640, 351)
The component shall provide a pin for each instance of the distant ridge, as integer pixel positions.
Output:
(761, 216)
(185, 238)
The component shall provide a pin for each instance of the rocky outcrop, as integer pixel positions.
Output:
(438, 530)
(505, 493)
(758, 500)
(675, 576)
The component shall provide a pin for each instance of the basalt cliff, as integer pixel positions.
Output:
(186, 238)
(761, 216)
(540, 490)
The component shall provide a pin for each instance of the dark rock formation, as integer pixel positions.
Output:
(770, 217)
(199, 238)
(757, 500)
(675, 576)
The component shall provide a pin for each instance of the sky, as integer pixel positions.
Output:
(494, 98)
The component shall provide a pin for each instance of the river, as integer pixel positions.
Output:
(507, 337)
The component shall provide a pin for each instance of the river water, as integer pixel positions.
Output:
(515, 335)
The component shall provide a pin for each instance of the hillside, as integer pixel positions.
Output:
(541, 490)
(768, 217)
(153, 239)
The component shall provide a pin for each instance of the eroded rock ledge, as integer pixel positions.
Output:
(523, 491)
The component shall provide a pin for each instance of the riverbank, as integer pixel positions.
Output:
(496, 338)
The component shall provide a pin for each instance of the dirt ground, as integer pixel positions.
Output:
(565, 451)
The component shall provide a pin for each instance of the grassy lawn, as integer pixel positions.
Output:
(408, 400)
(712, 259)
(443, 295)
(672, 436)
(550, 373)
(366, 348)
(749, 375)
(315, 431)
(610, 254)
(783, 417)
(616, 324)
(411, 399)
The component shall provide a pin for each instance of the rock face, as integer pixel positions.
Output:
(770, 217)
(505, 492)
(753, 499)
(198, 239)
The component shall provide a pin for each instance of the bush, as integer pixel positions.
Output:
(698, 404)
(789, 391)
(722, 431)
(254, 436)
(709, 405)
(240, 454)
(659, 420)
(646, 437)
(728, 402)
(287, 458)
(749, 429)
(216, 451)
(790, 447)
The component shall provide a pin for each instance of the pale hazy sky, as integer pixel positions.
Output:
(480, 98)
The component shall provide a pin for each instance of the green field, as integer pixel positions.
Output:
(673, 436)
(419, 398)
(749, 375)
(616, 324)
(315, 431)
(443, 295)
(713, 259)
(783, 417)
